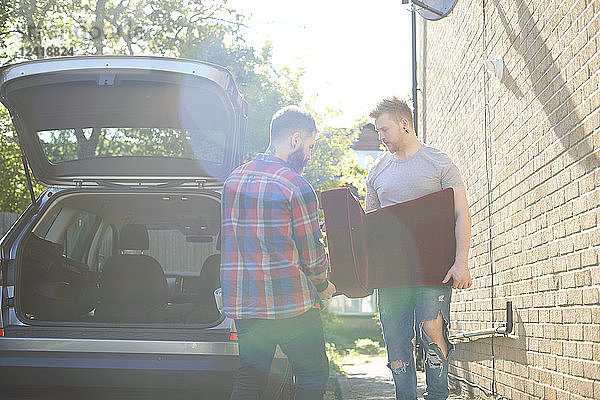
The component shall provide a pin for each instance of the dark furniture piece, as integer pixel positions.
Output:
(406, 244)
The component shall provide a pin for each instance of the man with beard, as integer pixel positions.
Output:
(273, 264)
(407, 171)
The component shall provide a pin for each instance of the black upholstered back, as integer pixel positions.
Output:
(204, 286)
(131, 285)
(134, 237)
(209, 279)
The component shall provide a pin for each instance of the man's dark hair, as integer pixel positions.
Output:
(291, 119)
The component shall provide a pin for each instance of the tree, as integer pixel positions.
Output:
(116, 26)
(334, 163)
(14, 190)
(5, 7)
(265, 89)
(324, 168)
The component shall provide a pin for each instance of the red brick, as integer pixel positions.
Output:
(576, 367)
(591, 296)
(596, 315)
(585, 350)
(583, 278)
(562, 332)
(561, 395)
(589, 257)
(575, 297)
(595, 274)
(591, 333)
(575, 332)
(570, 350)
(557, 347)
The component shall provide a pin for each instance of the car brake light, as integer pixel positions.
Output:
(1, 332)
(233, 336)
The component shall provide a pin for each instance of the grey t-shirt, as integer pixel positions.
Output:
(392, 181)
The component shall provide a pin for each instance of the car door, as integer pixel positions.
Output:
(125, 120)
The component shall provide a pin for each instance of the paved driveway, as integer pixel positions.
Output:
(368, 377)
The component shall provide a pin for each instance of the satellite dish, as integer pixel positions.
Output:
(434, 9)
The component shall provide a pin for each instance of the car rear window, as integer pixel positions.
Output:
(62, 145)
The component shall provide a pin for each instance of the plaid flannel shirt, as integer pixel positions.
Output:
(270, 241)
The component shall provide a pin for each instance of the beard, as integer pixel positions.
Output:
(391, 147)
(296, 160)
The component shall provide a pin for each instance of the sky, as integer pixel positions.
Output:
(353, 52)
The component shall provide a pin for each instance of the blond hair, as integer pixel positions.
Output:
(395, 107)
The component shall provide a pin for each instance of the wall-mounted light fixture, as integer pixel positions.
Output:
(496, 67)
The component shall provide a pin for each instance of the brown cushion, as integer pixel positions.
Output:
(406, 244)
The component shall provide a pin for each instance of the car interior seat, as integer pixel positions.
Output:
(209, 279)
(206, 307)
(131, 284)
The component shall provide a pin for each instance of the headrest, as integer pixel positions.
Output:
(212, 259)
(134, 237)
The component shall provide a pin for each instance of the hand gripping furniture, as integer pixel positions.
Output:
(406, 244)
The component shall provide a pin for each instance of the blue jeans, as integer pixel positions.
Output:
(300, 338)
(399, 309)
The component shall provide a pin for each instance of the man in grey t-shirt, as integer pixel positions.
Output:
(407, 171)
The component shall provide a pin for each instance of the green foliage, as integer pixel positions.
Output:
(14, 191)
(346, 331)
(335, 359)
(72, 144)
(334, 164)
(324, 167)
(349, 335)
(265, 89)
(367, 346)
(5, 9)
(354, 176)
(165, 27)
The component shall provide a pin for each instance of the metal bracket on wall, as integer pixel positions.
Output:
(502, 330)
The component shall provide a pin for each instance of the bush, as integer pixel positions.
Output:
(349, 335)
(367, 346)
(335, 360)
(345, 331)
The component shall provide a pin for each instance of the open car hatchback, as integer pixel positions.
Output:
(110, 278)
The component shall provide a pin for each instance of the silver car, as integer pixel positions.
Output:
(110, 279)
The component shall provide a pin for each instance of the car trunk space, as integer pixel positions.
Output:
(142, 257)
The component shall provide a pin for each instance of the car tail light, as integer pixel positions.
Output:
(233, 336)
(1, 332)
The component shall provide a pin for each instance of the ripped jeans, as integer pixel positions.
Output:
(399, 309)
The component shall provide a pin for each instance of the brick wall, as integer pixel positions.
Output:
(530, 162)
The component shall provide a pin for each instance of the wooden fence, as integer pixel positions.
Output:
(6, 221)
